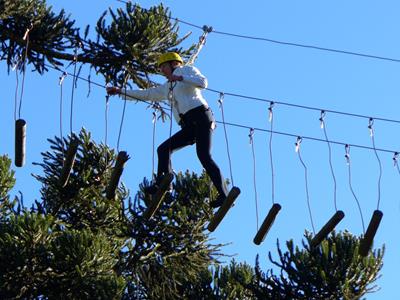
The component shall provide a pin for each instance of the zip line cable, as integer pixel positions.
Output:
(224, 123)
(306, 107)
(285, 43)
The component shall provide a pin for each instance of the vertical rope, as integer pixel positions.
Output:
(371, 131)
(347, 156)
(221, 106)
(25, 38)
(73, 90)
(154, 120)
(323, 126)
(396, 161)
(271, 120)
(200, 44)
(299, 140)
(16, 88)
(123, 111)
(251, 140)
(60, 83)
(106, 119)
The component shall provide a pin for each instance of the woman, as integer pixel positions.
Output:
(191, 111)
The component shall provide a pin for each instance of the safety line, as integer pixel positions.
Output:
(305, 107)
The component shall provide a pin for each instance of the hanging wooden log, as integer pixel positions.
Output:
(69, 161)
(158, 197)
(266, 225)
(233, 194)
(20, 142)
(328, 227)
(122, 158)
(366, 242)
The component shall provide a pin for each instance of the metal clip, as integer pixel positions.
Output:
(27, 32)
(297, 144)
(221, 99)
(322, 119)
(371, 129)
(251, 133)
(270, 112)
(347, 155)
(62, 77)
(396, 159)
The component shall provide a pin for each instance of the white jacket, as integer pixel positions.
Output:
(185, 95)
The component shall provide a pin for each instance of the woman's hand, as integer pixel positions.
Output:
(173, 78)
(113, 90)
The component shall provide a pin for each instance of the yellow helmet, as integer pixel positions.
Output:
(169, 56)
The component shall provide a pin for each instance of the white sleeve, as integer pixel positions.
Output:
(157, 93)
(192, 75)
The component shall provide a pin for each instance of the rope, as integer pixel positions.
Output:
(25, 38)
(396, 161)
(200, 44)
(271, 120)
(123, 112)
(154, 140)
(299, 140)
(221, 106)
(251, 140)
(73, 90)
(347, 156)
(106, 119)
(60, 83)
(371, 130)
(323, 126)
(16, 90)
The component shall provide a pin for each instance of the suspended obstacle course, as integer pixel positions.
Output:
(366, 242)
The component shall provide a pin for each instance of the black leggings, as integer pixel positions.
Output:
(196, 129)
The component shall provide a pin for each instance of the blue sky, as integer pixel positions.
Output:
(270, 71)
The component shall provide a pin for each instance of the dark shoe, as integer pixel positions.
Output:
(218, 202)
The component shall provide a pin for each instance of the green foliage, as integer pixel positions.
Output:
(128, 47)
(82, 202)
(39, 257)
(333, 270)
(169, 252)
(7, 181)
